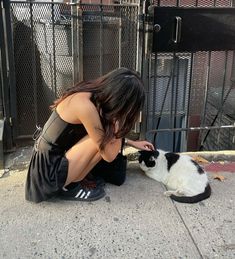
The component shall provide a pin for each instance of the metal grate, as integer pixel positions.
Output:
(190, 90)
(168, 96)
(110, 39)
(56, 44)
(43, 61)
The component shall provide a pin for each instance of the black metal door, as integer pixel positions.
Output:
(193, 29)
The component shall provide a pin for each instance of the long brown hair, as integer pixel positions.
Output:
(118, 96)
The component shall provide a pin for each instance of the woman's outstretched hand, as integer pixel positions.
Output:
(141, 144)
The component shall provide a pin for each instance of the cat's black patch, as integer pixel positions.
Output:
(147, 156)
(199, 169)
(171, 159)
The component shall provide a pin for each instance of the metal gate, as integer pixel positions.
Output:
(189, 77)
(190, 94)
(57, 44)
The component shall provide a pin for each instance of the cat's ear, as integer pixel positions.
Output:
(171, 159)
(156, 153)
(140, 159)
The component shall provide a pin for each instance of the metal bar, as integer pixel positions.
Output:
(3, 68)
(101, 41)
(189, 93)
(53, 49)
(1, 88)
(171, 122)
(176, 102)
(138, 56)
(138, 43)
(33, 64)
(222, 101)
(154, 89)
(79, 40)
(1, 84)
(11, 63)
(74, 41)
(5, 73)
(120, 39)
(144, 75)
(74, 3)
(35, 2)
(192, 128)
(206, 88)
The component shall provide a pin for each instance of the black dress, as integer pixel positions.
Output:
(48, 167)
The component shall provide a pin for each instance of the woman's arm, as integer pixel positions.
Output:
(88, 115)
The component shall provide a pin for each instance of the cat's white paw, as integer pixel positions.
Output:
(168, 193)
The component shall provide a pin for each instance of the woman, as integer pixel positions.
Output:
(87, 125)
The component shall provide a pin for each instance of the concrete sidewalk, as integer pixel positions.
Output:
(132, 221)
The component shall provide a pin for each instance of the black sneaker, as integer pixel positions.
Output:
(99, 181)
(82, 191)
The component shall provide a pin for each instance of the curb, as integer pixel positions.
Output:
(223, 155)
(220, 167)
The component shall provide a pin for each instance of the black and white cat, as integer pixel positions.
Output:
(185, 180)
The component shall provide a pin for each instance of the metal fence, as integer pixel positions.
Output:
(189, 89)
(58, 44)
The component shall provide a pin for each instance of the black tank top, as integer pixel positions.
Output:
(60, 133)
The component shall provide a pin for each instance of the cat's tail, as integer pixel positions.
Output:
(193, 199)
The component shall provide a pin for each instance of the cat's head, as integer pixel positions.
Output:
(147, 159)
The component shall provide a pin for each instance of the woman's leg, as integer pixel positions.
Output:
(82, 157)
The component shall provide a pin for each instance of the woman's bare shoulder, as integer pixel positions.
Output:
(70, 108)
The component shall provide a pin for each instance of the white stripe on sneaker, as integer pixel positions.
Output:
(77, 195)
(87, 195)
(83, 194)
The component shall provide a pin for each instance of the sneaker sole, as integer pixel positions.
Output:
(69, 198)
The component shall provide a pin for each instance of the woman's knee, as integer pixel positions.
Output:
(81, 158)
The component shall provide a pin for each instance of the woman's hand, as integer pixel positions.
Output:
(141, 144)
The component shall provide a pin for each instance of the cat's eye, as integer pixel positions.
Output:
(151, 158)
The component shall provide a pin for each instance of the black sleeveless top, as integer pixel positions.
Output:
(62, 134)
(48, 167)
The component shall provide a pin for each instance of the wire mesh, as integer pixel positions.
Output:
(110, 39)
(220, 104)
(168, 96)
(185, 89)
(191, 90)
(46, 46)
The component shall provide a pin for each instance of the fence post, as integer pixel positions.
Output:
(3, 82)
(77, 40)
(145, 61)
